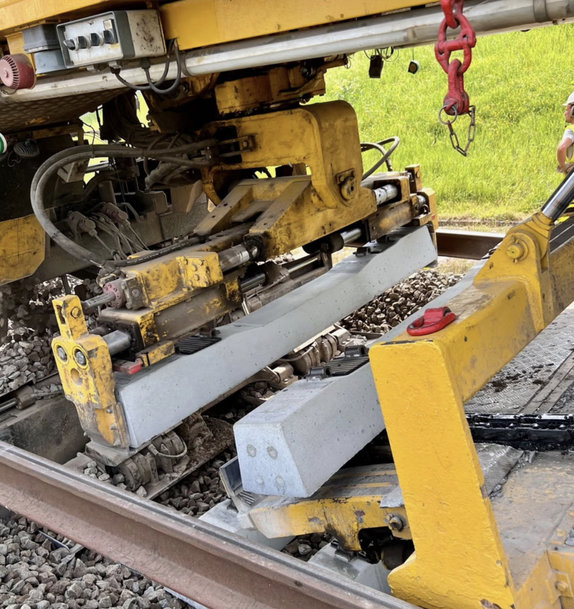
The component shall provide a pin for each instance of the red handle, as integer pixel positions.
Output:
(432, 321)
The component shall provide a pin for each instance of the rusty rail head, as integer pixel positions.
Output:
(471, 245)
(197, 560)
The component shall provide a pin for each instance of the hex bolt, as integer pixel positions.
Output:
(515, 251)
(562, 587)
(395, 522)
(80, 357)
(62, 354)
(347, 188)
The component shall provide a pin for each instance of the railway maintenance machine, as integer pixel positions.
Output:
(188, 220)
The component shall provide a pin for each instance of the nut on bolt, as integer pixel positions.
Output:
(80, 357)
(516, 250)
(62, 353)
(562, 587)
(395, 522)
(347, 188)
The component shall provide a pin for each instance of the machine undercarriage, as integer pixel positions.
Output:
(209, 236)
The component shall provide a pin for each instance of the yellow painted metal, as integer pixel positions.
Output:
(349, 502)
(170, 278)
(302, 208)
(197, 23)
(172, 319)
(275, 86)
(459, 560)
(324, 137)
(154, 354)
(18, 13)
(16, 44)
(292, 214)
(22, 248)
(174, 295)
(85, 368)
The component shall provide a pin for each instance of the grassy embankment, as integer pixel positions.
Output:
(518, 82)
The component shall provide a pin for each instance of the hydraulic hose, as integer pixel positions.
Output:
(385, 154)
(82, 153)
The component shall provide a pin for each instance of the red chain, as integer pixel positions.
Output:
(456, 100)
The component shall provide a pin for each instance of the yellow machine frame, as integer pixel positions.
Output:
(458, 550)
(197, 23)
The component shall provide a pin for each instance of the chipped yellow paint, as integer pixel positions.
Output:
(175, 274)
(22, 248)
(324, 137)
(299, 209)
(156, 353)
(278, 85)
(85, 368)
(349, 502)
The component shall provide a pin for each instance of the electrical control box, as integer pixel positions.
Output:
(111, 37)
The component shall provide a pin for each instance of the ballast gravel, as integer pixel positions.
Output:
(39, 571)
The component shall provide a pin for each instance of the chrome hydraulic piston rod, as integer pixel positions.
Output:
(560, 198)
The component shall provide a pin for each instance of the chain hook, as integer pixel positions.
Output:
(456, 101)
(452, 133)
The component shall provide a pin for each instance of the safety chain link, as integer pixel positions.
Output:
(456, 101)
(452, 133)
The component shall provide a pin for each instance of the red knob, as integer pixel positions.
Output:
(17, 72)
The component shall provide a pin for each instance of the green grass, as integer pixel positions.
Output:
(518, 82)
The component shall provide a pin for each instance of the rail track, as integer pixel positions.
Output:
(187, 555)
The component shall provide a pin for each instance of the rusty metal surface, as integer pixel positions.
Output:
(465, 244)
(189, 556)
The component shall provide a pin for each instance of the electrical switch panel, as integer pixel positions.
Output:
(111, 37)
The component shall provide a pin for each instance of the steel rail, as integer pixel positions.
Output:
(199, 561)
(472, 245)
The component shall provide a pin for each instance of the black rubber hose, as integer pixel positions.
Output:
(81, 153)
(386, 154)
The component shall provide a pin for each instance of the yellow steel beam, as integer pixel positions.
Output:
(198, 23)
(459, 560)
(18, 13)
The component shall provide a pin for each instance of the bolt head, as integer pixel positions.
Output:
(395, 522)
(62, 354)
(80, 357)
(516, 250)
(562, 587)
